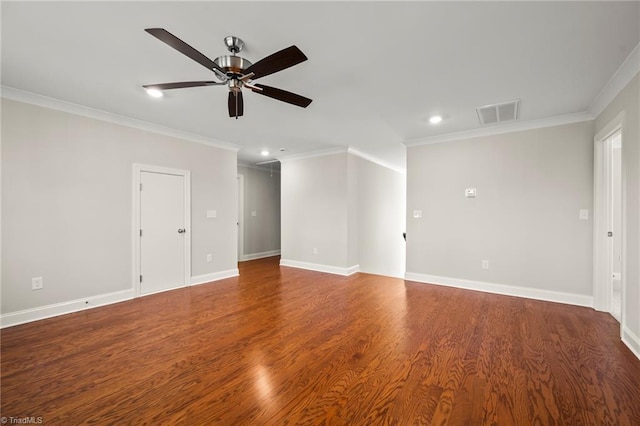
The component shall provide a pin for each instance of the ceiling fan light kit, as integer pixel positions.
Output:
(234, 71)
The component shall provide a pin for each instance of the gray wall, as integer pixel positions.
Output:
(314, 210)
(67, 203)
(629, 101)
(262, 196)
(348, 208)
(380, 218)
(524, 221)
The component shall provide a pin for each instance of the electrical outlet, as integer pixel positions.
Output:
(37, 283)
(209, 258)
(485, 264)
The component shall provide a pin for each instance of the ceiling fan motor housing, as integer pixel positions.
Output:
(233, 65)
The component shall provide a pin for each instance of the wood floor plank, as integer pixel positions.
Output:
(283, 346)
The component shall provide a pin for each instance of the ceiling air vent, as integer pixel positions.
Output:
(497, 113)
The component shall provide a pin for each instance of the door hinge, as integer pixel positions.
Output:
(140, 278)
(140, 187)
(141, 232)
(609, 234)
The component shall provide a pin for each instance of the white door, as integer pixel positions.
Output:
(614, 199)
(162, 236)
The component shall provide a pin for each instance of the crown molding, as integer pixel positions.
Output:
(69, 107)
(559, 120)
(624, 74)
(627, 71)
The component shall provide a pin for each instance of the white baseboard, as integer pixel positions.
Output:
(352, 270)
(48, 311)
(632, 341)
(504, 289)
(207, 278)
(29, 315)
(388, 274)
(336, 270)
(254, 256)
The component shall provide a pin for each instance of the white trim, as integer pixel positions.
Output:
(85, 111)
(383, 274)
(240, 214)
(215, 276)
(262, 255)
(601, 281)
(186, 174)
(601, 297)
(56, 309)
(375, 160)
(336, 270)
(511, 127)
(611, 127)
(312, 154)
(504, 289)
(352, 270)
(623, 75)
(632, 341)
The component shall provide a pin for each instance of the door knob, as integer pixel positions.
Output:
(181, 231)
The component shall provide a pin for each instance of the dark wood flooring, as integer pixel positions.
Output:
(280, 346)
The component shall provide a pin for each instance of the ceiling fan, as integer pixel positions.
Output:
(235, 71)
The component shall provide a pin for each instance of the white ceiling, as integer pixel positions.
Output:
(376, 70)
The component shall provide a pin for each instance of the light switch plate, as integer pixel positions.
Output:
(211, 214)
(584, 214)
(254, 213)
(470, 192)
(417, 214)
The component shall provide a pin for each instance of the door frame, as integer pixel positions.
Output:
(602, 245)
(135, 231)
(240, 217)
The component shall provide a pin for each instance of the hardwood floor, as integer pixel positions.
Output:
(281, 346)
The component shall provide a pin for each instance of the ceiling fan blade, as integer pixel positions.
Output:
(235, 103)
(182, 47)
(181, 85)
(276, 62)
(282, 95)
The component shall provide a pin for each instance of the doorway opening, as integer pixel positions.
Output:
(259, 220)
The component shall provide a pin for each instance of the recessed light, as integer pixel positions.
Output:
(264, 152)
(435, 119)
(155, 93)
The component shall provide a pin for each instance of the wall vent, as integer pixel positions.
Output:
(497, 113)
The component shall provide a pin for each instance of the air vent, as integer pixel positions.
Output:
(497, 113)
